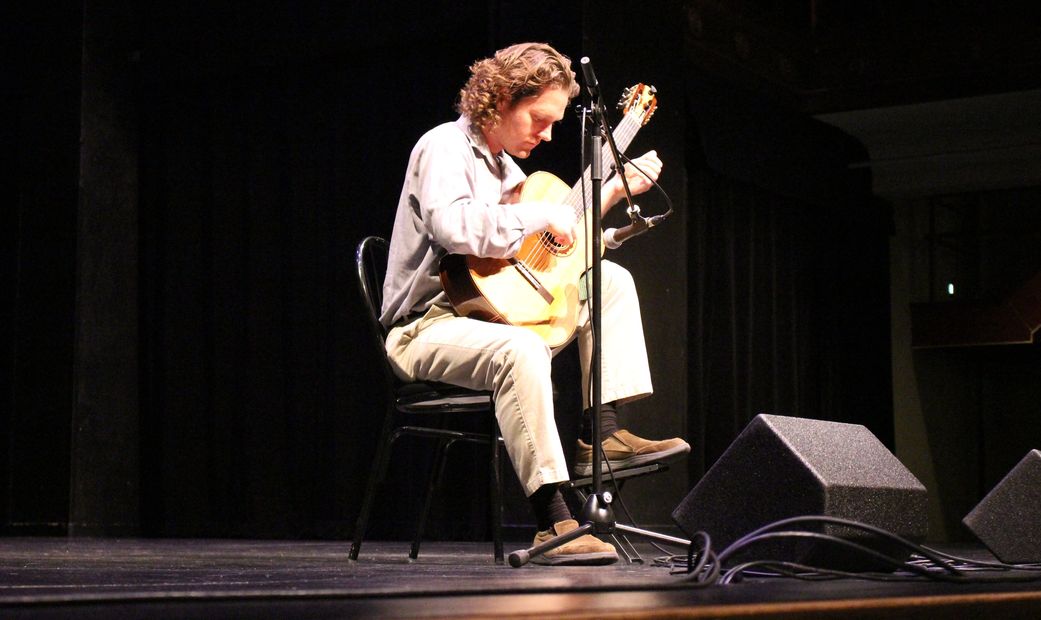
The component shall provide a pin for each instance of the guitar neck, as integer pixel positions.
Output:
(623, 137)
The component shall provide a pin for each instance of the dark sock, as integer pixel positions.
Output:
(548, 505)
(608, 423)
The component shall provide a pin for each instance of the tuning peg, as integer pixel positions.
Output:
(626, 94)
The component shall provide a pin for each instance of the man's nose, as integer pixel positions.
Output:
(546, 134)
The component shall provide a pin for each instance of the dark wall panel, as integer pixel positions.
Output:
(105, 442)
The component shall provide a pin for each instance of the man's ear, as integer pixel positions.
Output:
(503, 103)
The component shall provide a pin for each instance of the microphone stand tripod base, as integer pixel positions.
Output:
(597, 518)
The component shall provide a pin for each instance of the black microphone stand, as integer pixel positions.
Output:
(596, 516)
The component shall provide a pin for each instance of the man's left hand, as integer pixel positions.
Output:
(649, 164)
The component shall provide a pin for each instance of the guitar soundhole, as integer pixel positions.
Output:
(557, 249)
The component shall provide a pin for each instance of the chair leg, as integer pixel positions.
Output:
(495, 498)
(379, 471)
(436, 474)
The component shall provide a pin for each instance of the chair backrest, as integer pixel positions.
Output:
(371, 262)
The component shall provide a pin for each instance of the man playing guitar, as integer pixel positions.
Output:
(460, 197)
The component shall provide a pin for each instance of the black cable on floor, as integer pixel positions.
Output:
(926, 563)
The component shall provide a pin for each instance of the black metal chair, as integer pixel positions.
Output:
(416, 401)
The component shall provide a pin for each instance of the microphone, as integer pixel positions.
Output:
(614, 237)
(592, 86)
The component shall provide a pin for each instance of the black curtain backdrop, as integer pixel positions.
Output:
(270, 139)
(257, 183)
(261, 170)
(42, 46)
(789, 286)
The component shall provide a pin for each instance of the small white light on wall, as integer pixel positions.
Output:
(950, 288)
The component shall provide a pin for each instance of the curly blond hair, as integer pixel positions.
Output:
(513, 73)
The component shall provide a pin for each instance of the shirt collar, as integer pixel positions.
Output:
(501, 165)
(477, 139)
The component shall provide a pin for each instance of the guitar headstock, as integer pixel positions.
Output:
(640, 100)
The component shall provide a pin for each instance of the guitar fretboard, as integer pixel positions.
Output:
(623, 137)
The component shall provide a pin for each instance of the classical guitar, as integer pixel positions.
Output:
(539, 287)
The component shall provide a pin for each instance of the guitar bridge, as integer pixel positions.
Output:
(532, 280)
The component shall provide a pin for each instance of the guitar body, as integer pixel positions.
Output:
(539, 289)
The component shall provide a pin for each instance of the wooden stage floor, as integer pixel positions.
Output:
(112, 578)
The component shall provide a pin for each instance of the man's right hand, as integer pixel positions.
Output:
(562, 225)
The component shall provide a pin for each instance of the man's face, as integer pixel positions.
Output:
(527, 122)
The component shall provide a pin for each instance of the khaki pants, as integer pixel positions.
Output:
(514, 364)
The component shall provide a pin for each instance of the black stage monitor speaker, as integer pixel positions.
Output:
(1008, 520)
(780, 467)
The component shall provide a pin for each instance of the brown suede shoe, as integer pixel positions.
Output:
(625, 450)
(586, 550)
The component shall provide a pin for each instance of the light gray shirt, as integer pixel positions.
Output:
(454, 200)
